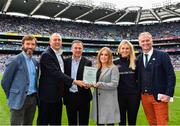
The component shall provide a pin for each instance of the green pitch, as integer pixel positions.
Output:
(174, 111)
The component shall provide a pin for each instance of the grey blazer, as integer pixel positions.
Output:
(107, 97)
(15, 80)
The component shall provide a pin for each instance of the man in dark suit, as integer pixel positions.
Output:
(20, 83)
(51, 84)
(77, 99)
(156, 77)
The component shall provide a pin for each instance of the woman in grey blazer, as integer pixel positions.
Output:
(105, 108)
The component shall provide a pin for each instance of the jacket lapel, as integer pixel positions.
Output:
(53, 55)
(103, 73)
(68, 66)
(24, 66)
(152, 62)
(80, 68)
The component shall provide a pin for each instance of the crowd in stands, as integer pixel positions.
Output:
(44, 27)
(175, 59)
(3, 58)
(41, 48)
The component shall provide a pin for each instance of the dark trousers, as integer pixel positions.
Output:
(25, 115)
(77, 111)
(129, 105)
(50, 113)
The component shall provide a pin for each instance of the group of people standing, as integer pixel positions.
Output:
(121, 84)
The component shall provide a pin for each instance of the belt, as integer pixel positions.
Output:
(32, 95)
(146, 93)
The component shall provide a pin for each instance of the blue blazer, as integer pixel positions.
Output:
(163, 75)
(15, 80)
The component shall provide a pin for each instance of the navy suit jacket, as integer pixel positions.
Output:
(52, 79)
(15, 81)
(163, 75)
(84, 94)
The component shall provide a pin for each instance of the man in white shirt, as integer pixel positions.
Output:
(77, 99)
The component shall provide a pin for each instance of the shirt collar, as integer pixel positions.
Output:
(77, 60)
(60, 51)
(150, 52)
(26, 56)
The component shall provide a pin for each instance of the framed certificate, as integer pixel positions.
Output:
(89, 75)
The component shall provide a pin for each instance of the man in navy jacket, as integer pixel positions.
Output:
(76, 98)
(156, 78)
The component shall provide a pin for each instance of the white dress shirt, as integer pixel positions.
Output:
(59, 57)
(74, 69)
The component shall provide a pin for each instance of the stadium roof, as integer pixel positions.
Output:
(85, 10)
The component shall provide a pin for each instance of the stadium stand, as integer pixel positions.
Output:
(42, 27)
(95, 36)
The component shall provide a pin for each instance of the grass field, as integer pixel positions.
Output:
(174, 111)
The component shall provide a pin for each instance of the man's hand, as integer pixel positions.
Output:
(80, 83)
(165, 98)
(97, 84)
(88, 85)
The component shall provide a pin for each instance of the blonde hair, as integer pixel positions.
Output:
(110, 57)
(132, 55)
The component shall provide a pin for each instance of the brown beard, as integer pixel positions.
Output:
(28, 51)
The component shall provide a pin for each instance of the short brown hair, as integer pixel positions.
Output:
(77, 41)
(28, 37)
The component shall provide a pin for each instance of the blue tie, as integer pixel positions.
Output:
(146, 59)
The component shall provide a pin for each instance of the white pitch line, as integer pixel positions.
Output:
(177, 97)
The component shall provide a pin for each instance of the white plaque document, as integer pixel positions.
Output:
(89, 75)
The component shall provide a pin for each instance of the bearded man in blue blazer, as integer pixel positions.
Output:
(20, 83)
